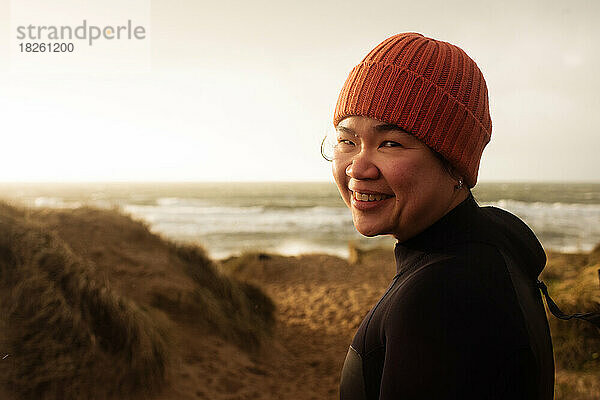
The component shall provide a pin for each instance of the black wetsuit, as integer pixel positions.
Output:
(462, 318)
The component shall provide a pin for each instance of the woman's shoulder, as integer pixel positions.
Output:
(466, 275)
(473, 261)
(466, 289)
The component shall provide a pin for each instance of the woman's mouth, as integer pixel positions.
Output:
(367, 201)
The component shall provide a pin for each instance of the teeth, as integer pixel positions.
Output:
(368, 197)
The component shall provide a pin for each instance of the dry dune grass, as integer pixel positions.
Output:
(573, 282)
(179, 279)
(67, 334)
(89, 297)
(237, 311)
(574, 285)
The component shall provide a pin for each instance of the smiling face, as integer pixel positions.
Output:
(392, 182)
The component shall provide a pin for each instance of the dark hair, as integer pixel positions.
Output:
(445, 163)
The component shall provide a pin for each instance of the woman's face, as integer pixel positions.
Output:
(392, 182)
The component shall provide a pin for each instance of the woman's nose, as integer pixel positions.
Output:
(362, 168)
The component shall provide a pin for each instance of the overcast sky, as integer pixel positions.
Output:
(245, 90)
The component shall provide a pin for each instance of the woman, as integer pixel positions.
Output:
(462, 318)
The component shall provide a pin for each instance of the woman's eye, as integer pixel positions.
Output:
(344, 146)
(390, 143)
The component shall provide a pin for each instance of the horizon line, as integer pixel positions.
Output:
(33, 182)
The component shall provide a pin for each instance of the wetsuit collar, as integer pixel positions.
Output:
(453, 227)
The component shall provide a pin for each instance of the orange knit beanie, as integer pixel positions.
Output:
(431, 89)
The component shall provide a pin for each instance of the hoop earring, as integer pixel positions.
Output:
(459, 185)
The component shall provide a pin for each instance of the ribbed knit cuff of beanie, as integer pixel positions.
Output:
(429, 88)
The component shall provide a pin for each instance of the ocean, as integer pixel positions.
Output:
(293, 218)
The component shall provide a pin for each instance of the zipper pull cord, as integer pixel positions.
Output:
(592, 317)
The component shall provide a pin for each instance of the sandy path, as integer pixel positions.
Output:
(320, 302)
